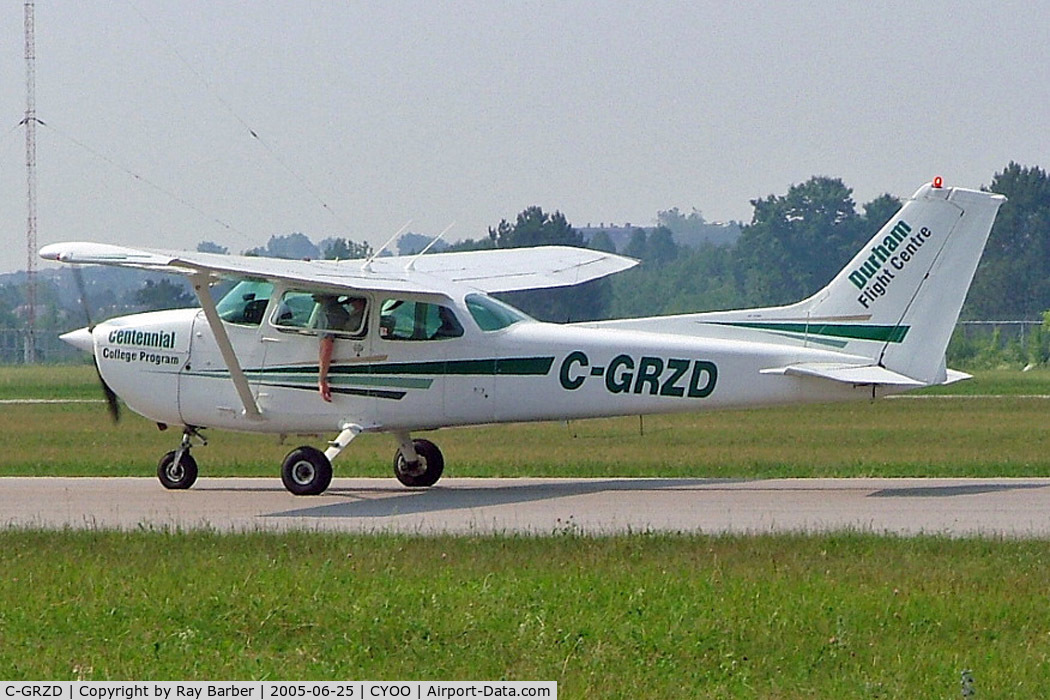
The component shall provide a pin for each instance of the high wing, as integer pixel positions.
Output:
(504, 270)
(487, 271)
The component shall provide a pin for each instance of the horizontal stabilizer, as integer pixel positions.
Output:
(847, 374)
(955, 375)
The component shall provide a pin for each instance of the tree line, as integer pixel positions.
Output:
(793, 245)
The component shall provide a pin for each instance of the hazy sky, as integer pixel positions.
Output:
(371, 114)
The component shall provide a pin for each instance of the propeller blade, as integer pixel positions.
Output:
(112, 405)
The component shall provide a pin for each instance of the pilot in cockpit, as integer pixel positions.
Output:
(335, 317)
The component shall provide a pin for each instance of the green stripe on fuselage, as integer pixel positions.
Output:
(518, 366)
(882, 334)
(830, 342)
(310, 375)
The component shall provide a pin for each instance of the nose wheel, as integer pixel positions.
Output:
(177, 469)
(178, 474)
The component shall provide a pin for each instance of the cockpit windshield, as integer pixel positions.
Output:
(246, 303)
(491, 314)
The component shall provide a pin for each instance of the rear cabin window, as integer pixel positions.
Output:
(245, 304)
(314, 313)
(402, 319)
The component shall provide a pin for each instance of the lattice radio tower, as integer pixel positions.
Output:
(30, 123)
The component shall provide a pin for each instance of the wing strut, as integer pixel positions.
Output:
(240, 382)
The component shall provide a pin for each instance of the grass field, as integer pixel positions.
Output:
(846, 616)
(49, 382)
(639, 616)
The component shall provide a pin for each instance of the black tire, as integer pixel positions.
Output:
(179, 476)
(306, 471)
(427, 472)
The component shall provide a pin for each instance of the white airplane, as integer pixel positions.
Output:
(420, 344)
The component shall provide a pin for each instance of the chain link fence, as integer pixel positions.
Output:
(991, 344)
(15, 347)
(1010, 330)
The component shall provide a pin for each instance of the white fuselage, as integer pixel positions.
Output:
(167, 366)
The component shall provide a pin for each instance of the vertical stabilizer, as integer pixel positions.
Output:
(898, 299)
(907, 285)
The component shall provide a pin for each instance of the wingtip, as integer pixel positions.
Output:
(51, 252)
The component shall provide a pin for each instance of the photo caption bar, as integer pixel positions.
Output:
(276, 690)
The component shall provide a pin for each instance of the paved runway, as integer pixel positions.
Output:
(989, 507)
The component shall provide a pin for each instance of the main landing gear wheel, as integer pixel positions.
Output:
(306, 471)
(427, 469)
(177, 476)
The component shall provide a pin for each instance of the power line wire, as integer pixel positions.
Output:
(229, 109)
(144, 180)
(6, 136)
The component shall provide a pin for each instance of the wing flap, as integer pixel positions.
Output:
(514, 269)
(856, 375)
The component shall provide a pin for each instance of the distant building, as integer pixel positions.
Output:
(619, 235)
(412, 243)
(715, 233)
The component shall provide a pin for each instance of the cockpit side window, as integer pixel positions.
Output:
(321, 313)
(402, 319)
(245, 304)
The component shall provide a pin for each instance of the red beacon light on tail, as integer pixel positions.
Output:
(938, 182)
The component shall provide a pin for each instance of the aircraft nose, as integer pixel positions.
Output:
(80, 339)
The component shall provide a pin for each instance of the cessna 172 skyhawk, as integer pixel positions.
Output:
(419, 343)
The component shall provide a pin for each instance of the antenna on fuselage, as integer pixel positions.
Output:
(368, 263)
(430, 245)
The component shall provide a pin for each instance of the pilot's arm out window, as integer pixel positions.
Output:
(322, 313)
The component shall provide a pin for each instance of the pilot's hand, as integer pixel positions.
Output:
(325, 389)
